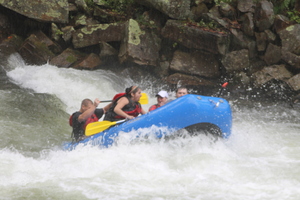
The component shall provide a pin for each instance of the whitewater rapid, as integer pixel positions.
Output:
(260, 160)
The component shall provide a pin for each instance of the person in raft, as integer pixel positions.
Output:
(88, 113)
(162, 98)
(181, 91)
(126, 106)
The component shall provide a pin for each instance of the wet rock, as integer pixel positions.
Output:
(82, 6)
(176, 9)
(294, 82)
(281, 22)
(72, 8)
(273, 54)
(83, 20)
(106, 50)
(196, 63)
(107, 16)
(89, 62)
(196, 38)
(245, 6)
(56, 32)
(198, 10)
(264, 15)
(38, 49)
(261, 41)
(236, 60)
(277, 72)
(290, 39)
(241, 41)
(67, 33)
(248, 24)
(67, 58)
(140, 46)
(227, 11)
(94, 34)
(183, 79)
(54, 47)
(42, 10)
(163, 69)
(271, 37)
(291, 59)
(10, 45)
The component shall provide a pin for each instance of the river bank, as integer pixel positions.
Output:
(247, 43)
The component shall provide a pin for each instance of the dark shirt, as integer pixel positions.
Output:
(78, 127)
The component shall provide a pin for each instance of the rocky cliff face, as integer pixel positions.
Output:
(196, 43)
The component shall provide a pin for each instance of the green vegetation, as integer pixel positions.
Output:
(90, 3)
(211, 25)
(218, 2)
(145, 23)
(59, 32)
(294, 16)
(282, 6)
(119, 6)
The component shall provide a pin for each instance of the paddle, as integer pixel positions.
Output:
(97, 127)
(223, 86)
(143, 99)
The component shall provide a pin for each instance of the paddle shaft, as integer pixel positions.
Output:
(106, 101)
(223, 86)
(143, 99)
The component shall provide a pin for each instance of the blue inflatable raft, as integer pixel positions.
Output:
(191, 112)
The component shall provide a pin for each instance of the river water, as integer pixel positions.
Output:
(260, 160)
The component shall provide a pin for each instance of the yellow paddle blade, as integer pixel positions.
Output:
(144, 99)
(97, 127)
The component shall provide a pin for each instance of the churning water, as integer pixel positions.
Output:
(260, 160)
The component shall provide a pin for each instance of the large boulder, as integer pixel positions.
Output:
(38, 49)
(277, 72)
(248, 24)
(42, 10)
(273, 54)
(245, 6)
(294, 82)
(95, 34)
(196, 63)
(91, 61)
(140, 46)
(10, 45)
(236, 60)
(291, 59)
(176, 9)
(264, 15)
(290, 39)
(67, 58)
(183, 79)
(195, 37)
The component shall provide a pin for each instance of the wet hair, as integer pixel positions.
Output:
(86, 102)
(181, 88)
(132, 89)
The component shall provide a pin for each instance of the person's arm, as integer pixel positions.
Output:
(105, 109)
(85, 115)
(118, 109)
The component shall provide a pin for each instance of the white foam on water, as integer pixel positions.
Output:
(260, 160)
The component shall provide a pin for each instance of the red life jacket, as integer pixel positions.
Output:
(132, 109)
(153, 107)
(92, 118)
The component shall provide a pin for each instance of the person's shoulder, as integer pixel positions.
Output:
(153, 107)
(76, 114)
(99, 112)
